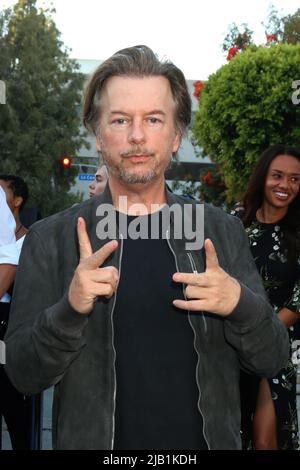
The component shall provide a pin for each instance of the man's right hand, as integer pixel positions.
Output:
(90, 280)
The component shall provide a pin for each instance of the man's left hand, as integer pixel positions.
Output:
(212, 291)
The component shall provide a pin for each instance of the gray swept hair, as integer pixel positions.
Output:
(136, 61)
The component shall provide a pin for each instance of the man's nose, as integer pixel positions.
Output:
(137, 133)
(91, 186)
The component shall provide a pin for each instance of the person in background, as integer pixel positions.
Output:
(8, 250)
(271, 215)
(14, 406)
(16, 192)
(98, 185)
(142, 336)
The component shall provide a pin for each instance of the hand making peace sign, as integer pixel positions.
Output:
(90, 280)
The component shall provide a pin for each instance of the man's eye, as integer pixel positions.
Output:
(153, 120)
(119, 121)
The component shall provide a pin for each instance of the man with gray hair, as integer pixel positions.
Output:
(142, 336)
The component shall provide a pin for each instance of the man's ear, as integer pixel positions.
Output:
(176, 143)
(98, 142)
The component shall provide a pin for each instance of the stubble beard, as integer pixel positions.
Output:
(129, 175)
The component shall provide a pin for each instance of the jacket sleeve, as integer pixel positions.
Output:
(44, 333)
(253, 328)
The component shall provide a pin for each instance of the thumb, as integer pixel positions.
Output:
(211, 255)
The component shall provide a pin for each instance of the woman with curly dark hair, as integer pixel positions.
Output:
(271, 216)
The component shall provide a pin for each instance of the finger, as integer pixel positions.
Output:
(195, 292)
(85, 249)
(102, 290)
(109, 275)
(98, 258)
(211, 255)
(191, 279)
(193, 305)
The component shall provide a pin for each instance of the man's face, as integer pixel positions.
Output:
(137, 134)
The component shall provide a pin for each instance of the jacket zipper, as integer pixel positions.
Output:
(194, 344)
(194, 268)
(114, 350)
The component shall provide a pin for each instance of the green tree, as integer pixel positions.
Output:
(40, 121)
(278, 29)
(239, 37)
(291, 30)
(246, 106)
(285, 28)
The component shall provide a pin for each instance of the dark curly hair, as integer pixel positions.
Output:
(18, 187)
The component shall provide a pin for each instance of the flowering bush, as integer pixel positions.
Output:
(198, 85)
(245, 107)
(208, 179)
(209, 187)
(248, 104)
(271, 38)
(232, 52)
(212, 188)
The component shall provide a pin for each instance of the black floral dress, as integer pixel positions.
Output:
(282, 283)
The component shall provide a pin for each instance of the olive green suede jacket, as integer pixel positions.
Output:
(48, 343)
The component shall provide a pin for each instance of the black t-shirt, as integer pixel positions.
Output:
(157, 393)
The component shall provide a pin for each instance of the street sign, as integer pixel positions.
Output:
(86, 176)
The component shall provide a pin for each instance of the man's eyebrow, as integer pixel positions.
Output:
(116, 111)
(157, 111)
(124, 113)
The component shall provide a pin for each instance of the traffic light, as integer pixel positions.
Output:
(65, 165)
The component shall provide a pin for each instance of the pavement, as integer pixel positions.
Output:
(46, 438)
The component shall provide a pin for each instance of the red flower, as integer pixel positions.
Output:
(271, 38)
(231, 53)
(208, 178)
(198, 85)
